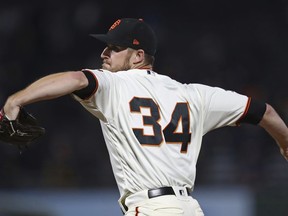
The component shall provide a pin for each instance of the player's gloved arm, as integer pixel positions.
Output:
(276, 127)
(48, 87)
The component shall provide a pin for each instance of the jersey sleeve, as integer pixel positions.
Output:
(101, 97)
(220, 107)
(91, 88)
(254, 113)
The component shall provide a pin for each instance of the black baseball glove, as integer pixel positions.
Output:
(22, 131)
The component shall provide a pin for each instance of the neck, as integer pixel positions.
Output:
(146, 67)
(143, 66)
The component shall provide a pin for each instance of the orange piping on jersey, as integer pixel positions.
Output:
(245, 112)
(97, 84)
(137, 211)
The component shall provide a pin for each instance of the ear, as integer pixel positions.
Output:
(138, 56)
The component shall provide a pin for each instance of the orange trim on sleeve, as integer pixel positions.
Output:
(245, 111)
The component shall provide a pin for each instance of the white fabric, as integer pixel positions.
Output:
(179, 204)
(137, 101)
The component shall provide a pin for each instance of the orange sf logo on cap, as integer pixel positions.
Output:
(115, 24)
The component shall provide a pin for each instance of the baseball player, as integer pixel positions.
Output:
(152, 125)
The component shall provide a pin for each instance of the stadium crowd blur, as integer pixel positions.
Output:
(237, 45)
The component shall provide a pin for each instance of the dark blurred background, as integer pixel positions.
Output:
(237, 45)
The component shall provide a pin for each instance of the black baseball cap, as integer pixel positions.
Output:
(132, 33)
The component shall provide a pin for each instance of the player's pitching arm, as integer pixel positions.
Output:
(276, 127)
(48, 87)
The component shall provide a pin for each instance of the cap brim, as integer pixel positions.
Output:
(102, 37)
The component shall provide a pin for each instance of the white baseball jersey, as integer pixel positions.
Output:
(153, 125)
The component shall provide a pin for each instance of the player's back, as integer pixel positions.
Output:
(153, 125)
(148, 131)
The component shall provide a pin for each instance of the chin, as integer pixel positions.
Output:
(105, 67)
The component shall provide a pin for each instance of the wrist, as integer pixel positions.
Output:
(11, 109)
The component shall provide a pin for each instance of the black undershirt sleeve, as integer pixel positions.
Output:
(254, 113)
(88, 91)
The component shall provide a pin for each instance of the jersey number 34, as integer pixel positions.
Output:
(179, 116)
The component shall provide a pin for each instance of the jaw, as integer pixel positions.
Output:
(106, 66)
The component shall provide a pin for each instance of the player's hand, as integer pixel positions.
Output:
(21, 131)
(11, 112)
